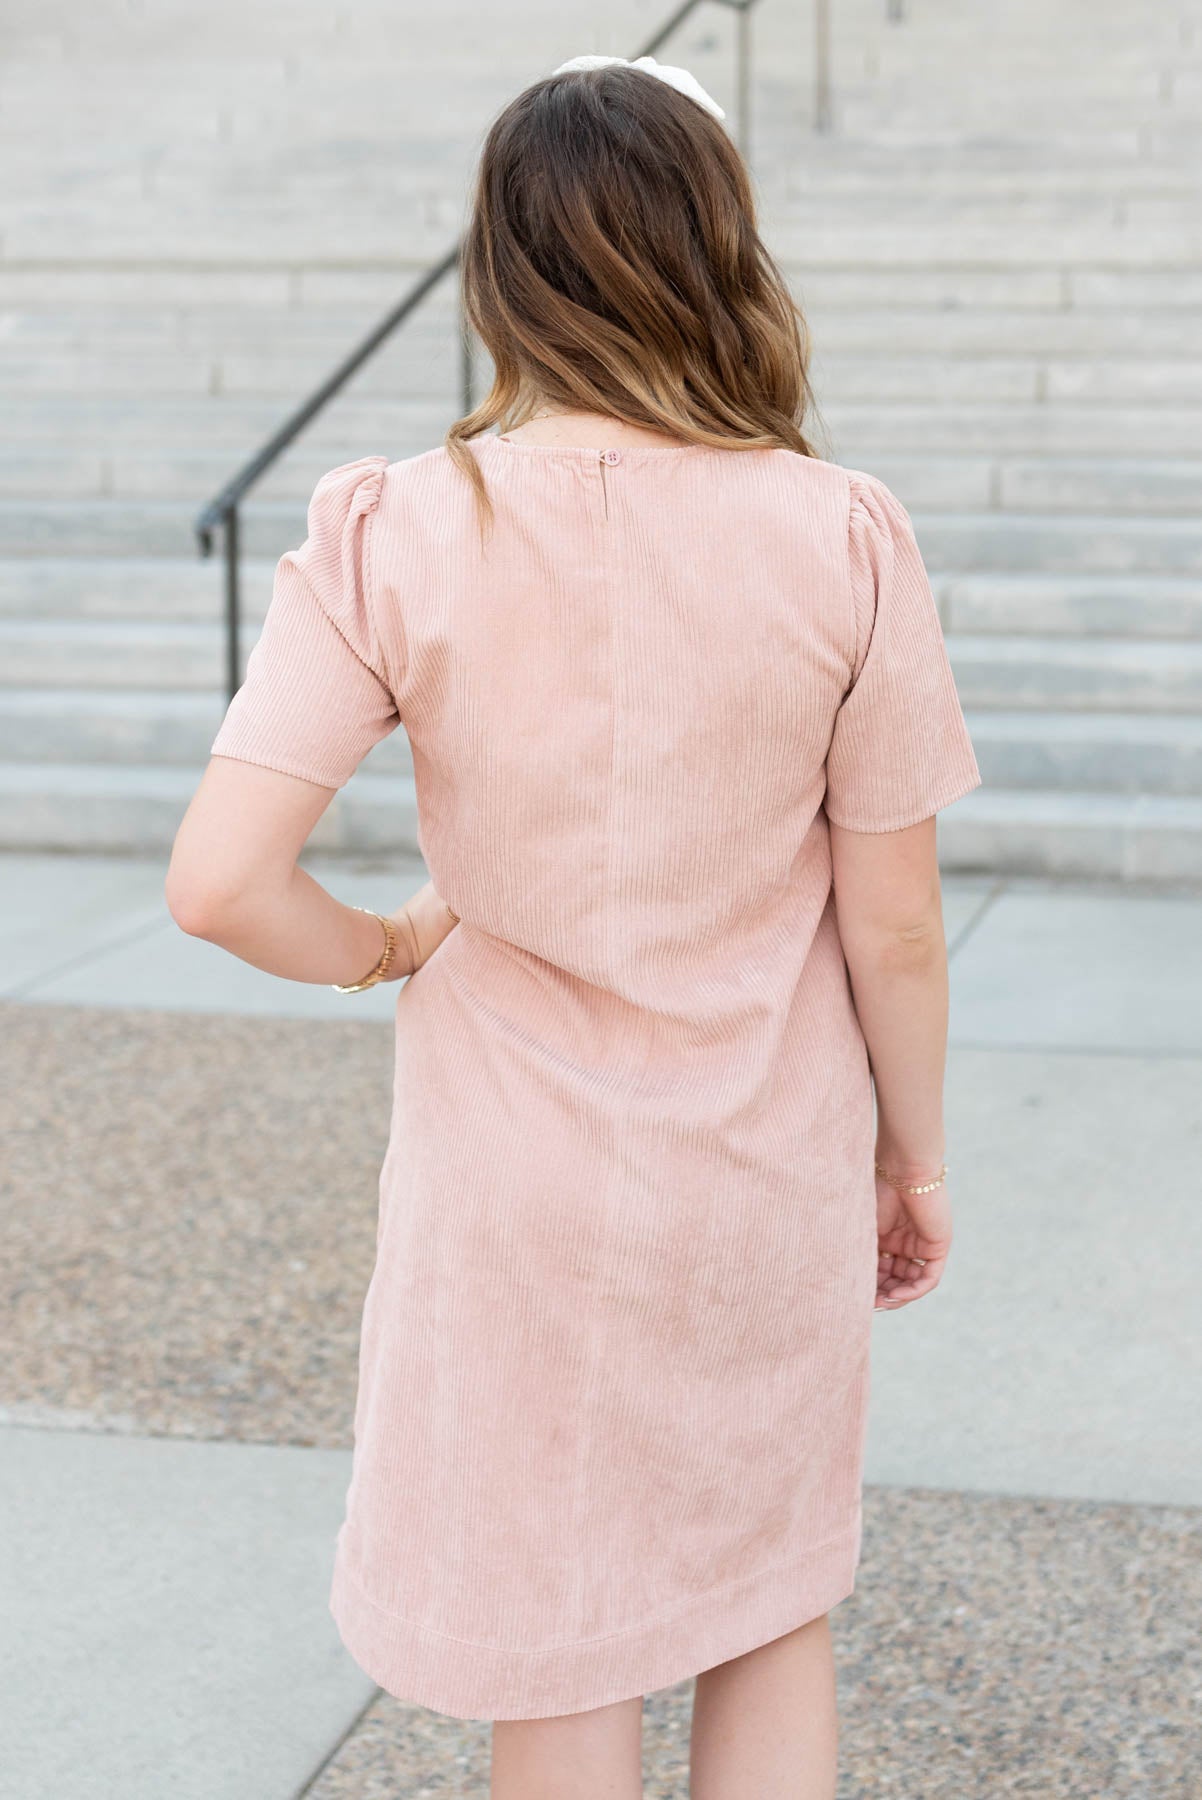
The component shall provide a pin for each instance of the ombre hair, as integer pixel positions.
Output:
(612, 263)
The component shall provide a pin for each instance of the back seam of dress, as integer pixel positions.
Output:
(596, 1331)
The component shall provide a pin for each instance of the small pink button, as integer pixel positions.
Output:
(611, 456)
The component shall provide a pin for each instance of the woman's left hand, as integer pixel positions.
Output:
(914, 1239)
(432, 922)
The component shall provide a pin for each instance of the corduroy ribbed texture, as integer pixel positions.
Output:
(614, 1360)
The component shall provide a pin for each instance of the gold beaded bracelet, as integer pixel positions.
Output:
(908, 1187)
(385, 963)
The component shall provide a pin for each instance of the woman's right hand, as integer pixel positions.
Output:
(431, 920)
(914, 1237)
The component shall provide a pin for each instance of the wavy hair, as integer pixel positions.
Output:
(612, 263)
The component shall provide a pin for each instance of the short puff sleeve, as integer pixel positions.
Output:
(900, 747)
(315, 697)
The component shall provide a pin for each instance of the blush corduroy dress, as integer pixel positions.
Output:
(614, 1358)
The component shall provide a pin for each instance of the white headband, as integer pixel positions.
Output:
(677, 78)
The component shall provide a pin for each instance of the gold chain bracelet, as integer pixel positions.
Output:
(387, 957)
(909, 1187)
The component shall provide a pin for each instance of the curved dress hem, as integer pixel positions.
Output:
(466, 1680)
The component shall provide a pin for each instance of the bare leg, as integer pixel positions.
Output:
(594, 1755)
(765, 1725)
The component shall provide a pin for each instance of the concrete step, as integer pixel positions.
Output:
(1076, 674)
(162, 528)
(129, 725)
(80, 806)
(423, 366)
(1043, 429)
(1012, 179)
(1048, 544)
(1115, 753)
(1108, 485)
(922, 110)
(1139, 487)
(1170, 287)
(42, 473)
(1136, 837)
(235, 425)
(93, 726)
(112, 653)
(1013, 210)
(1130, 379)
(937, 378)
(1115, 606)
(325, 330)
(1179, 139)
(968, 240)
(1158, 334)
(128, 588)
(250, 236)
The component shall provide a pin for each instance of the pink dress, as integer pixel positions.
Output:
(614, 1359)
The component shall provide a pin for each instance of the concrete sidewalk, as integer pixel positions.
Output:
(176, 1399)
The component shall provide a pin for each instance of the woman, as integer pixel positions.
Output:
(681, 717)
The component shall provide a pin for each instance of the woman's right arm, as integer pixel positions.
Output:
(889, 910)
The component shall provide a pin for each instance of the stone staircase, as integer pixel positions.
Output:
(999, 249)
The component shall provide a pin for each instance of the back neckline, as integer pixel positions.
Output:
(627, 449)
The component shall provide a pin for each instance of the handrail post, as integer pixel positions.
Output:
(822, 65)
(233, 669)
(743, 79)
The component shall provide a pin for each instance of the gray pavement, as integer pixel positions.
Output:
(153, 1588)
(95, 931)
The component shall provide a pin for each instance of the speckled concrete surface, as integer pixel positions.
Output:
(189, 1211)
(993, 1646)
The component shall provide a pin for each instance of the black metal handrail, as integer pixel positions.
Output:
(222, 509)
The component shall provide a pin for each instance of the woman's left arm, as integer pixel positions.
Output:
(234, 880)
(315, 699)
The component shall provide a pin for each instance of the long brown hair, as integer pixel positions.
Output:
(611, 263)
